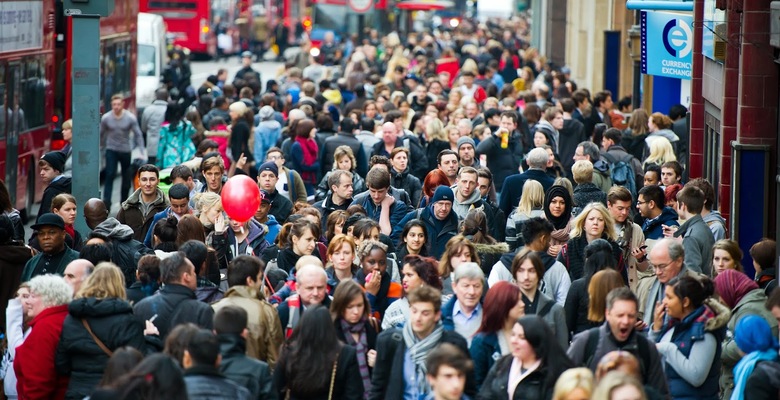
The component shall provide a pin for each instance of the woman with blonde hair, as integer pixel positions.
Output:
(661, 151)
(531, 205)
(619, 386)
(594, 222)
(574, 384)
(100, 321)
(208, 209)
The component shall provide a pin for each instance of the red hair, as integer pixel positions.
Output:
(500, 298)
(433, 180)
(670, 193)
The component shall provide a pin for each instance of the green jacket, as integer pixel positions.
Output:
(69, 256)
(753, 303)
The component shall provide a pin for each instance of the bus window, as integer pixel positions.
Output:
(35, 91)
(3, 102)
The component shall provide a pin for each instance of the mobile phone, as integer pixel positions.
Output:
(642, 247)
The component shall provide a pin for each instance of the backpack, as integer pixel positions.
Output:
(622, 173)
(593, 340)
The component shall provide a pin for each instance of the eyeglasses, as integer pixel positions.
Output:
(639, 203)
(661, 267)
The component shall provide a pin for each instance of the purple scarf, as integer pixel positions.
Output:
(362, 348)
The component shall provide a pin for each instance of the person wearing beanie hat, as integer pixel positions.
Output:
(279, 206)
(51, 165)
(467, 152)
(55, 255)
(756, 340)
(267, 132)
(440, 220)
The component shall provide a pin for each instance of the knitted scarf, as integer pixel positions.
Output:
(361, 346)
(310, 150)
(418, 350)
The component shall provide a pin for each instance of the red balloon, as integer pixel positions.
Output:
(240, 198)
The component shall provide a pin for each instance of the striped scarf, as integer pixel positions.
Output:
(361, 346)
(418, 350)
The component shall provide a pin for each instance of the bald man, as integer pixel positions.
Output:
(95, 212)
(312, 290)
(76, 272)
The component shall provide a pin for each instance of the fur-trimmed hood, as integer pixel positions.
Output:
(496, 248)
(719, 316)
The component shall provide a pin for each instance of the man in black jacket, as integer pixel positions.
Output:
(230, 324)
(175, 303)
(345, 137)
(399, 371)
(503, 160)
(201, 363)
(512, 189)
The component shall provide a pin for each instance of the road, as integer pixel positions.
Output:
(200, 71)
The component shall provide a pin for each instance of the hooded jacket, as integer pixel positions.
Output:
(698, 242)
(717, 224)
(462, 208)
(265, 334)
(79, 356)
(267, 133)
(132, 215)
(61, 185)
(408, 182)
(668, 134)
(228, 248)
(489, 254)
(652, 228)
(174, 304)
(245, 370)
(549, 131)
(686, 344)
(126, 251)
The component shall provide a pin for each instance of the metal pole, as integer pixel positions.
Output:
(85, 76)
(636, 92)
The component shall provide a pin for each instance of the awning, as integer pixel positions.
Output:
(424, 5)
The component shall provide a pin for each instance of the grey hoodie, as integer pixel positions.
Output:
(462, 208)
(717, 224)
(114, 230)
(665, 133)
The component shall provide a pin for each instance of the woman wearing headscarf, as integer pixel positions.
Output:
(754, 338)
(557, 208)
(743, 297)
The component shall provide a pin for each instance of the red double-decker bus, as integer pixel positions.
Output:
(35, 83)
(188, 22)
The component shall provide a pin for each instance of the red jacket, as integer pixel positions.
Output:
(36, 375)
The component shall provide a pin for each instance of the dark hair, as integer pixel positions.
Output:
(331, 222)
(178, 339)
(614, 135)
(203, 348)
(149, 273)
(475, 225)
(173, 115)
(122, 361)
(166, 230)
(196, 252)
(301, 128)
(345, 293)
(378, 179)
(707, 189)
(242, 267)
(536, 226)
(531, 256)
(674, 165)
(149, 168)
(367, 124)
(601, 97)
(553, 357)
(621, 294)
(426, 268)
(654, 168)
(774, 299)
(692, 197)
(500, 298)
(364, 227)
(190, 229)
(764, 253)
(313, 344)
(96, 253)
(179, 191)
(230, 320)
(655, 194)
(447, 354)
(510, 114)
(695, 289)
(677, 111)
(173, 267)
(5, 198)
(6, 229)
(598, 256)
(377, 160)
(425, 294)
(408, 227)
(156, 377)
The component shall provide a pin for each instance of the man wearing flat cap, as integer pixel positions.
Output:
(51, 166)
(55, 255)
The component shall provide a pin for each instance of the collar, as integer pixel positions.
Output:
(208, 370)
(56, 178)
(457, 310)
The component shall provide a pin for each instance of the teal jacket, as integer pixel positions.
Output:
(59, 268)
(175, 146)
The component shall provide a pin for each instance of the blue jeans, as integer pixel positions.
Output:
(112, 158)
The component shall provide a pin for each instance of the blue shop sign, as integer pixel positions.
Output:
(667, 44)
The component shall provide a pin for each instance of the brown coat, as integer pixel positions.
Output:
(265, 334)
(130, 214)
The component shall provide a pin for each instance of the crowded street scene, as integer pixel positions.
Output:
(390, 200)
